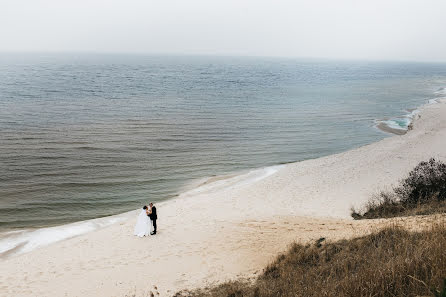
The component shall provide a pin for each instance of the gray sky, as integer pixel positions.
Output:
(352, 29)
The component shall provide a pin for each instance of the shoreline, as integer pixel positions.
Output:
(386, 128)
(402, 124)
(213, 236)
(27, 242)
(17, 242)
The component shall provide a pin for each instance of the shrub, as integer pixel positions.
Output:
(426, 180)
(423, 191)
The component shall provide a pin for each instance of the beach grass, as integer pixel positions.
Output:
(388, 262)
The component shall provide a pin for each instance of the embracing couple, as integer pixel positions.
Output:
(142, 227)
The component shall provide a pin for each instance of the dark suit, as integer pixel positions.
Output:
(153, 218)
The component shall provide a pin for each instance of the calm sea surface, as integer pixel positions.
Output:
(84, 136)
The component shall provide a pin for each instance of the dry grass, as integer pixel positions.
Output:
(390, 262)
(386, 205)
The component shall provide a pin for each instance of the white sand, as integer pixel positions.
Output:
(216, 235)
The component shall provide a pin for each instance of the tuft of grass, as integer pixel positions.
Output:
(422, 192)
(390, 262)
(441, 292)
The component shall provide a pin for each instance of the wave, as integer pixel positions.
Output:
(23, 241)
(440, 91)
(224, 182)
(400, 125)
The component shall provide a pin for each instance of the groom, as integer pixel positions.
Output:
(153, 217)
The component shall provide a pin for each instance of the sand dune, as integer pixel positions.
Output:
(222, 232)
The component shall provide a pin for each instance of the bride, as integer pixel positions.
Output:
(142, 227)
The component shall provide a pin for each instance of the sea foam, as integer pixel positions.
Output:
(402, 123)
(212, 185)
(18, 242)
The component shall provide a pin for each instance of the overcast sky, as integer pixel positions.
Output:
(347, 29)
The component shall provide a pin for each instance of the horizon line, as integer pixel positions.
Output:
(220, 55)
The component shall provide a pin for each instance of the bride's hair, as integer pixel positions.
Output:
(145, 207)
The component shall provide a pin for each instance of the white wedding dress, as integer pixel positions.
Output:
(142, 227)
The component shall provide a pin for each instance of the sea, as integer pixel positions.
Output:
(86, 137)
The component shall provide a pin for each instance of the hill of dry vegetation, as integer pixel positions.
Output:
(388, 262)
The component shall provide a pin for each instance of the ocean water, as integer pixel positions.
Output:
(84, 136)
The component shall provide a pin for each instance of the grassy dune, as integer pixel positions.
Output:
(390, 262)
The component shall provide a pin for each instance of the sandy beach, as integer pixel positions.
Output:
(229, 227)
